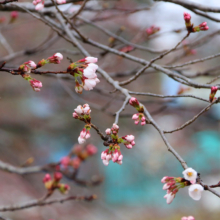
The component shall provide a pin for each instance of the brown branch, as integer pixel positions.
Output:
(194, 118)
(49, 202)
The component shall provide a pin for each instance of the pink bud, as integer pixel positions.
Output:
(133, 101)
(75, 115)
(115, 127)
(108, 131)
(187, 17)
(143, 123)
(135, 116)
(46, 178)
(61, 1)
(129, 146)
(57, 176)
(136, 122)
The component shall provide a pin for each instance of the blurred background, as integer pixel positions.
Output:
(40, 125)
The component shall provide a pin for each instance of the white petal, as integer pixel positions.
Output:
(195, 191)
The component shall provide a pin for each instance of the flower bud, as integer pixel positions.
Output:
(57, 176)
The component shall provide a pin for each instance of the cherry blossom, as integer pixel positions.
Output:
(195, 191)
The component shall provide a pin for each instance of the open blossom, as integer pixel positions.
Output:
(190, 174)
(82, 110)
(195, 191)
(84, 134)
(56, 58)
(90, 77)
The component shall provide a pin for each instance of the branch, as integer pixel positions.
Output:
(194, 118)
(49, 202)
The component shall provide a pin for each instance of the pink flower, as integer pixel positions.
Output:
(35, 84)
(31, 64)
(187, 17)
(56, 58)
(135, 116)
(75, 115)
(129, 138)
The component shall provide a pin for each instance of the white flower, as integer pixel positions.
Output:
(108, 131)
(93, 66)
(190, 174)
(79, 109)
(105, 162)
(195, 191)
(169, 197)
(89, 84)
(89, 73)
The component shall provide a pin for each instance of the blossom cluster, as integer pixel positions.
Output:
(201, 27)
(54, 183)
(85, 70)
(26, 68)
(80, 153)
(83, 113)
(173, 184)
(113, 152)
(39, 4)
(138, 117)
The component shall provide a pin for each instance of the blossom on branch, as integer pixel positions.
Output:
(56, 58)
(189, 26)
(36, 85)
(190, 174)
(39, 4)
(195, 191)
(85, 70)
(214, 89)
(84, 134)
